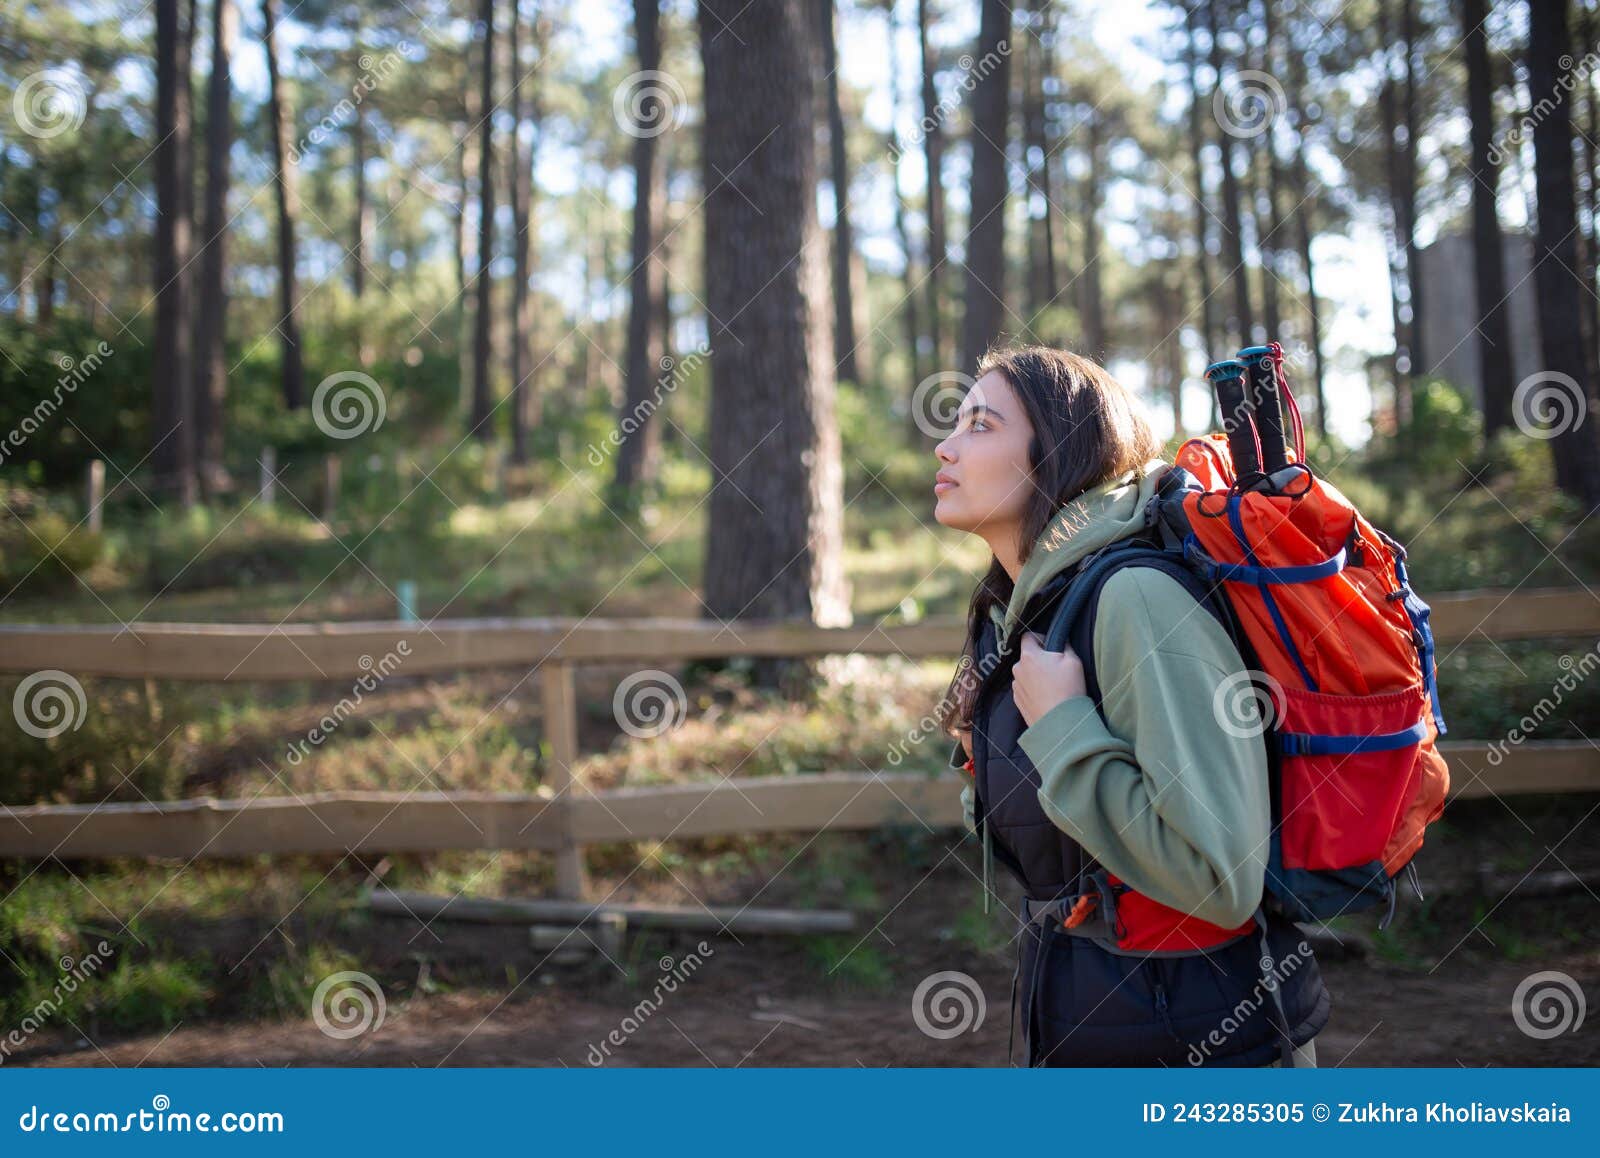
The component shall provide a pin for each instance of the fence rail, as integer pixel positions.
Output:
(564, 816)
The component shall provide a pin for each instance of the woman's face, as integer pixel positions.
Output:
(984, 475)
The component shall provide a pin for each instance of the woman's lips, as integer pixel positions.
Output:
(942, 485)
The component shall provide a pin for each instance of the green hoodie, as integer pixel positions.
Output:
(1160, 791)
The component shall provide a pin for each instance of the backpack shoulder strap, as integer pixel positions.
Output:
(1084, 589)
(1077, 610)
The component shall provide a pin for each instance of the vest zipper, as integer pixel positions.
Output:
(1166, 1017)
(988, 865)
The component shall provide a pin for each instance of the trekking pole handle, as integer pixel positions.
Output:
(1266, 405)
(1227, 380)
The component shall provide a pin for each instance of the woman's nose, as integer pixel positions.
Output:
(942, 451)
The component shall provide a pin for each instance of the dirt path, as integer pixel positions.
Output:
(1383, 1017)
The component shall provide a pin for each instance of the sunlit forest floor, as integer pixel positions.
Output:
(216, 945)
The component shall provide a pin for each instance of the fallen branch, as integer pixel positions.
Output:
(543, 911)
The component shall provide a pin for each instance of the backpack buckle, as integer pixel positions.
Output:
(1092, 913)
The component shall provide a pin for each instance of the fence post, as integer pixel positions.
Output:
(561, 725)
(267, 488)
(97, 494)
(330, 487)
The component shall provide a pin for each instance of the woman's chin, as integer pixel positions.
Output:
(946, 514)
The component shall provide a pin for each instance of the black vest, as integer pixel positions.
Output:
(1090, 1004)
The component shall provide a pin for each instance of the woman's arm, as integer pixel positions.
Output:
(1159, 791)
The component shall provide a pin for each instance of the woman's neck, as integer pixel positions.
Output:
(1004, 544)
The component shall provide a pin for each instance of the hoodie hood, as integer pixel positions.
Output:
(1101, 515)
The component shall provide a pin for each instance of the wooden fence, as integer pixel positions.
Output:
(563, 815)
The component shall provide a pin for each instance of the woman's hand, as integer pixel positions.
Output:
(1042, 679)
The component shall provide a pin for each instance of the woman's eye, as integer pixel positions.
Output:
(980, 424)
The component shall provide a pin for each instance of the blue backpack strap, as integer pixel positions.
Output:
(1085, 585)
(1083, 593)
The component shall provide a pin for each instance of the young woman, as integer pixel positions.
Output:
(1134, 813)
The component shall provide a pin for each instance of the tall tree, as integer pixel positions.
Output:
(639, 455)
(287, 185)
(844, 320)
(933, 152)
(1575, 449)
(483, 281)
(1405, 367)
(173, 456)
(1304, 211)
(1210, 331)
(1410, 33)
(1091, 283)
(774, 547)
(524, 83)
(210, 378)
(986, 234)
(1036, 70)
(908, 303)
(362, 219)
(1243, 320)
(1589, 234)
(1269, 215)
(1494, 328)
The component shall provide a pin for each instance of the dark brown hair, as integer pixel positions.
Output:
(1088, 428)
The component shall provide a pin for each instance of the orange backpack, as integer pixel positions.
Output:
(1340, 651)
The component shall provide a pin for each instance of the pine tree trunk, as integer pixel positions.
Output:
(637, 459)
(523, 83)
(1408, 188)
(1576, 452)
(908, 276)
(1305, 230)
(1494, 330)
(1091, 284)
(933, 150)
(1041, 228)
(172, 428)
(1209, 329)
(774, 548)
(1243, 320)
(211, 372)
(984, 300)
(288, 195)
(482, 427)
(844, 321)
